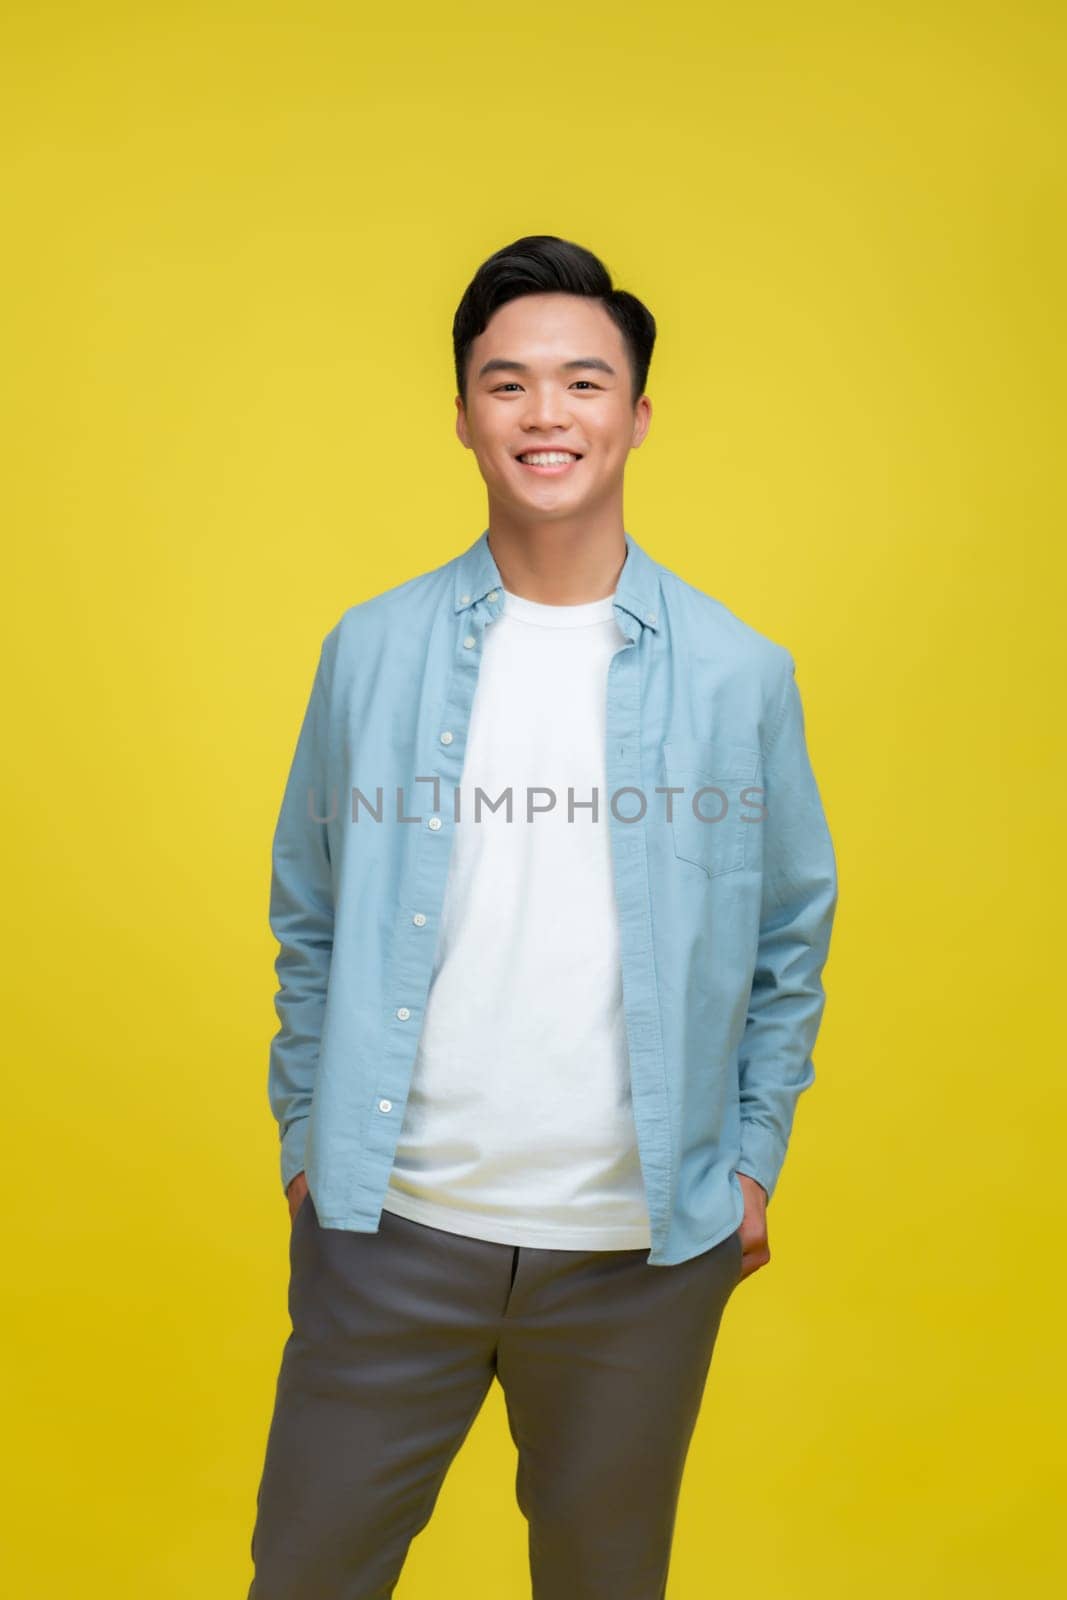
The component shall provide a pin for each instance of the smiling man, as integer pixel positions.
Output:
(552, 432)
(550, 979)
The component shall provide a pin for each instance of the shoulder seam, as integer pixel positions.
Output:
(779, 720)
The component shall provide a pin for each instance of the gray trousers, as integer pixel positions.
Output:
(396, 1338)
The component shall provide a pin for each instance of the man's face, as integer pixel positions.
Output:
(551, 373)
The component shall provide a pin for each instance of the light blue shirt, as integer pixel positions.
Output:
(725, 889)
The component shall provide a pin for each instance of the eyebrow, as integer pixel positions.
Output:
(502, 364)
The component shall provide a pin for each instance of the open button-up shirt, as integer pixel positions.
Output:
(725, 887)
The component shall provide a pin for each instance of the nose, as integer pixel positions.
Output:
(545, 408)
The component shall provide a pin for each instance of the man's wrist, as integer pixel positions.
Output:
(757, 1183)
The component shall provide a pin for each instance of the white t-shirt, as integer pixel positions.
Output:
(519, 1124)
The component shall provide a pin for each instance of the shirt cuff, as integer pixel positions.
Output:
(761, 1156)
(294, 1141)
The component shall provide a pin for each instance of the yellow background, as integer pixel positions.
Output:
(236, 236)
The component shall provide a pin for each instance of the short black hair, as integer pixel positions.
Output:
(542, 264)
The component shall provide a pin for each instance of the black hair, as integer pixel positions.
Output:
(542, 264)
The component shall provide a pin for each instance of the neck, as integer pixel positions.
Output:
(558, 564)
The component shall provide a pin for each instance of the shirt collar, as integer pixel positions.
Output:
(637, 591)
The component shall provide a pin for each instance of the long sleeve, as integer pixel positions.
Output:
(799, 900)
(302, 920)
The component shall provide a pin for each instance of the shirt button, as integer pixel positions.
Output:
(446, 737)
(492, 595)
(469, 642)
(651, 617)
(403, 1013)
(434, 823)
(464, 599)
(385, 1105)
(419, 919)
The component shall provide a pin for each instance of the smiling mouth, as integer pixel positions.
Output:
(548, 463)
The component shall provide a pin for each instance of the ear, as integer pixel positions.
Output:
(642, 420)
(462, 433)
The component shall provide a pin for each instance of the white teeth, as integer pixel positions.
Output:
(549, 458)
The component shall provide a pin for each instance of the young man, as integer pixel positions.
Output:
(553, 890)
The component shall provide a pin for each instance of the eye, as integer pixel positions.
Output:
(512, 384)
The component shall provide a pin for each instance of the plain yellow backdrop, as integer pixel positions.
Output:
(235, 238)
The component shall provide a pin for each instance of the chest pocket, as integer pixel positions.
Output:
(723, 770)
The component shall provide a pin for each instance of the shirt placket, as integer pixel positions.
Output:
(630, 865)
(414, 936)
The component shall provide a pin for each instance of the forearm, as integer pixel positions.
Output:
(302, 920)
(787, 999)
